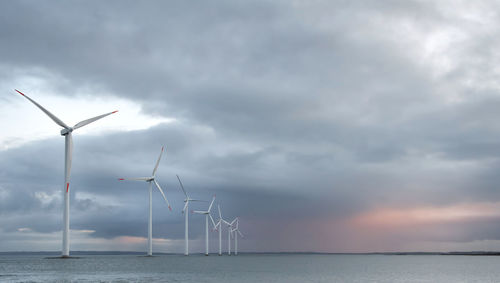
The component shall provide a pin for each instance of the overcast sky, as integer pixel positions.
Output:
(328, 126)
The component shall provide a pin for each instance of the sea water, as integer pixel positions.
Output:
(251, 268)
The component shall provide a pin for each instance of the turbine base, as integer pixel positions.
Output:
(62, 257)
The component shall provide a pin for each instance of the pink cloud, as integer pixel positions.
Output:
(398, 217)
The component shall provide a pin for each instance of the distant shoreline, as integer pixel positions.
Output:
(56, 253)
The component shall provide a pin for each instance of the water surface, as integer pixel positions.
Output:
(251, 268)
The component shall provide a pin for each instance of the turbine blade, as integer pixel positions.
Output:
(158, 162)
(240, 233)
(52, 116)
(198, 212)
(210, 207)
(218, 207)
(198, 200)
(161, 191)
(213, 222)
(185, 206)
(232, 222)
(227, 223)
(88, 121)
(135, 179)
(182, 187)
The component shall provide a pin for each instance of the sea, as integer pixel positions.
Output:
(39, 267)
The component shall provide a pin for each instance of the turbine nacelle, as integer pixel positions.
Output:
(66, 131)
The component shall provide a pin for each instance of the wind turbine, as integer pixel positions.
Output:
(186, 207)
(207, 215)
(236, 232)
(68, 145)
(229, 235)
(219, 224)
(151, 180)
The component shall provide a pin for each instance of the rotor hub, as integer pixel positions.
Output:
(65, 131)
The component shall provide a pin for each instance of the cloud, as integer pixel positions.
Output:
(294, 114)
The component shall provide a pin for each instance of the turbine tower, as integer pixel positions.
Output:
(184, 210)
(151, 180)
(219, 224)
(207, 215)
(68, 145)
(236, 231)
(229, 235)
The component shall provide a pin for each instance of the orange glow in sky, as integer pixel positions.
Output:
(423, 215)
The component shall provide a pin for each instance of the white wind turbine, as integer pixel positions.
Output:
(184, 210)
(151, 180)
(67, 133)
(219, 225)
(207, 215)
(236, 231)
(229, 235)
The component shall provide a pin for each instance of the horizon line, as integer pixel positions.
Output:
(283, 252)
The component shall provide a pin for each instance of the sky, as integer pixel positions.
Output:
(325, 126)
